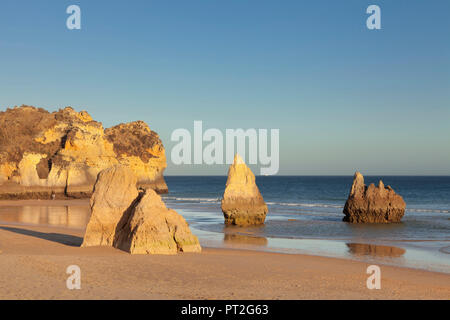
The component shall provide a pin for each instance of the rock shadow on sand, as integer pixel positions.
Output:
(65, 239)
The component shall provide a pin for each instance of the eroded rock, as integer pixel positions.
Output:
(133, 221)
(114, 194)
(242, 203)
(372, 204)
(43, 153)
(140, 148)
(151, 228)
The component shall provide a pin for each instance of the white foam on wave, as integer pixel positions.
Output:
(288, 204)
(307, 205)
(428, 210)
(293, 204)
(193, 199)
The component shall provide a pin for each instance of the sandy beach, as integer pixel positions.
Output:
(33, 262)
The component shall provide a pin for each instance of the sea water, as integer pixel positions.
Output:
(305, 216)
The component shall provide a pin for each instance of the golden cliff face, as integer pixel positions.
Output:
(61, 153)
(139, 148)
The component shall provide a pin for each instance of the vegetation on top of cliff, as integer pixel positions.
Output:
(18, 128)
(135, 139)
(63, 152)
(22, 129)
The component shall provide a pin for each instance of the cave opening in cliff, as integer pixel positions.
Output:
(43, 168)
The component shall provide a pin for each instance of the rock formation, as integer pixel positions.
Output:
(133, 221)
(61, 153)
(151, 228)
(242, 203)
(113, 195)
(373, 204)
(139, 148)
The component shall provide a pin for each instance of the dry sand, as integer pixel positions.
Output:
(33, 262)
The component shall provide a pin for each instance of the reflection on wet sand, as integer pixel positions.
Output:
(363, 249)
(445, 250)
(62, 216)
(239, 236)
(244, 239)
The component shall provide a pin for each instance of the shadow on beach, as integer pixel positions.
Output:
(65, 239)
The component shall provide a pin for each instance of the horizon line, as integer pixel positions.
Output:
(310, 175)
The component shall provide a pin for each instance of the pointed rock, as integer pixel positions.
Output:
(151, 228)
(242, 203)
(358, 185)
(373, 204)
(381, 189)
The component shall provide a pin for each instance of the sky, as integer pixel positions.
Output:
(344, 97)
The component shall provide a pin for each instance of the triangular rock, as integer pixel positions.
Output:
(134, 222)
(151, 228)
(242, 203)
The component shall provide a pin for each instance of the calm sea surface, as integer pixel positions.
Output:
(305, 215)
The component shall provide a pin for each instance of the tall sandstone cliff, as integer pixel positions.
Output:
(60, 154)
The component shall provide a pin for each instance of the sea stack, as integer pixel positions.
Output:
(242, 203)
(134, 221)
(373, 204)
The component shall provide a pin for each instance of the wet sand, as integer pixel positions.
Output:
(33, 262)
(33, 202)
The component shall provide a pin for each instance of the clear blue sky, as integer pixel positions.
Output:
(343, 97)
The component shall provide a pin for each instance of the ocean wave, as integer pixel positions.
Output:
(323, 205)
(287, 204)
(307, 205)
(428, 210)
(201, 200)
(293, 204)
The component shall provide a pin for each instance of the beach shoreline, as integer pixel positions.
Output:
(74, 214)
(33, 262)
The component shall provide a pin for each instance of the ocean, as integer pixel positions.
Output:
(305, 216)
